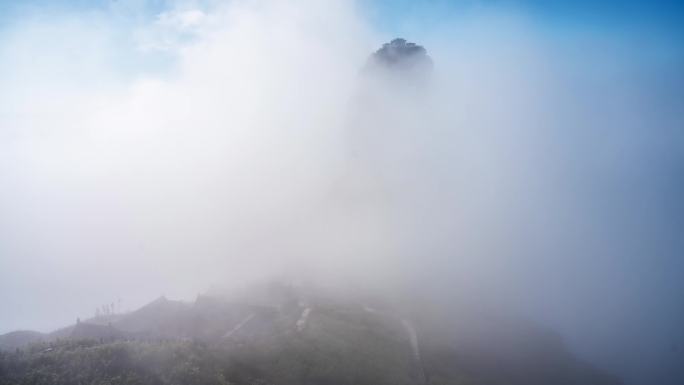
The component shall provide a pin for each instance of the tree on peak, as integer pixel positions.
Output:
(401, 54)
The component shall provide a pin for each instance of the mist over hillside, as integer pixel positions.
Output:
(285, 333)
(497, 183)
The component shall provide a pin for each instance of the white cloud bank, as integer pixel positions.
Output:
(212, 144)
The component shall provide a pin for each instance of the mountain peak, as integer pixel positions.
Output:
(400, 55)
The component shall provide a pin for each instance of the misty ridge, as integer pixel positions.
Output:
(275, 192)
(293, 333)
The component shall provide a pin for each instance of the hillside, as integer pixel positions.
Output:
(285, 335)
(19, 338)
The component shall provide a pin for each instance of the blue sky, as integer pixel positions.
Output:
(631, 21)
(665, 14)
(629, 17)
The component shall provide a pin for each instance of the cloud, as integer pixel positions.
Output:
(159, 174)
(212, 143)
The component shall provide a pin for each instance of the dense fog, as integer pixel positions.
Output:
(165, 148)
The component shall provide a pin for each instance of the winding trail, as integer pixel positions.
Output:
(301, 322)
(238, 326)
(413, 339)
